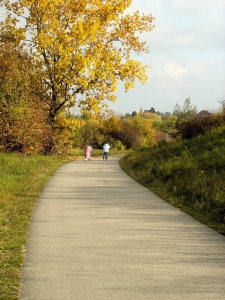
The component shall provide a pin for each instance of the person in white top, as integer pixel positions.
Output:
(105, 148)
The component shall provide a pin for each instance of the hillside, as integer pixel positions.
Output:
(189, 174)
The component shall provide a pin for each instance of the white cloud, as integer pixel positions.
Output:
(187, 55)
(173, 70)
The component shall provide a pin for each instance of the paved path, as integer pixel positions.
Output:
(96, 234)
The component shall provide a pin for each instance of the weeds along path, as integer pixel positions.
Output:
(98, 234)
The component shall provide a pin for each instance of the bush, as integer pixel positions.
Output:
(200, 124)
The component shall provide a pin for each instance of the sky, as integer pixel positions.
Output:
(187, 57)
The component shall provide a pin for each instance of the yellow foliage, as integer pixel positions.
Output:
(152, 116)
(113, 124)
(68, 122)
(64, 131)
(144, 127)
(80, 47)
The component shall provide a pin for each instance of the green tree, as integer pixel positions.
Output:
(152, 110)
(127, 115)
(182, 114)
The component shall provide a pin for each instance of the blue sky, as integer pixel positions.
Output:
(187, 56)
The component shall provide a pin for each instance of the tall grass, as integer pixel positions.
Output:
(189, 174)
(21, 179)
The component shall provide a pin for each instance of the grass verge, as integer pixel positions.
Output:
(21, 180)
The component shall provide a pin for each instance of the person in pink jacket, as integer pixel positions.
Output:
(88, 153)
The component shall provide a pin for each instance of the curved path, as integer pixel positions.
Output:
(96, 234)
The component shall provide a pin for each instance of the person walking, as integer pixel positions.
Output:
(88, 153)
(105, 148)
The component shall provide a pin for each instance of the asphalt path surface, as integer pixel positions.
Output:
(97, 234)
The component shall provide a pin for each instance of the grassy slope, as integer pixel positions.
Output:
(188, 174)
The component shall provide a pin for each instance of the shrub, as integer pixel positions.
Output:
(200, 124)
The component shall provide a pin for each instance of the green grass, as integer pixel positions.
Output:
(21, 180)
(188, 174)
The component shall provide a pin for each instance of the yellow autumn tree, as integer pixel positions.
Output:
(23, 123)
(144, 128)
(79, 47)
